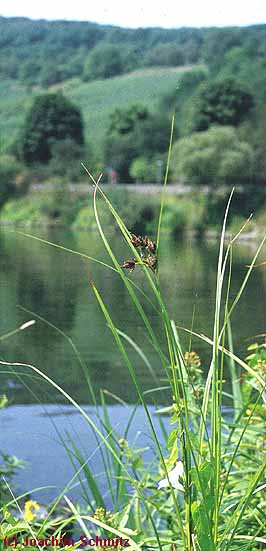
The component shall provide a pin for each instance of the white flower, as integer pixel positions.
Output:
(173, 476)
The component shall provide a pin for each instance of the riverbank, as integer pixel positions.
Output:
(187, 211)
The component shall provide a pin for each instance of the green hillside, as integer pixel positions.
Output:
(96, 99)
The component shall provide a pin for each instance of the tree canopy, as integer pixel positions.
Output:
(104, 61)
(223, 101)
(51, 118)
(27, 47)
(135, 132)
(214, 157)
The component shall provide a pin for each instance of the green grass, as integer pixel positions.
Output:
(96, 99)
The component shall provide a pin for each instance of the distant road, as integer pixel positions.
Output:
(148, 189)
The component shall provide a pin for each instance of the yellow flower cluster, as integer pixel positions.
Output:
(105, 516)
(29, 510)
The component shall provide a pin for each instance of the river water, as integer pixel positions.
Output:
(56, 285)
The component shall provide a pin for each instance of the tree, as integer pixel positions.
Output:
(28, 72)
(104, 61)
(223, 102)
(125, 120)
(134, 132)
(217, 43)
(168, 55)
(214, 157)
(51, 118)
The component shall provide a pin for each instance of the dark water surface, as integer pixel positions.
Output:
(56, 285)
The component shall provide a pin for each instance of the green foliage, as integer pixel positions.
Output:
(210, 461)
(181, 99)
(85, 219)
(57, 207)
(104, 61)
(253, 131)
(61, 208)
(175, 219)
(224, 102)
(52, 74)
(220, 92)
(209, 498)
(213, 157)
(181, 215)
(142, 170)
(139, 213)
(9, 465)
(96, 102)
(13, 178)
(123, 121)
(27, 47)
(28, 72)
(133, 133)
(230, 52)
(66, 157)
(167, 54)
(23, 212)
(246, 202)
(26, 43)
(218, 42)
(51, 118)
(188, 82)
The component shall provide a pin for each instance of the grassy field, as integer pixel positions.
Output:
(96, 99)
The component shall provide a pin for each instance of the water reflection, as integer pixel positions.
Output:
(56, 285)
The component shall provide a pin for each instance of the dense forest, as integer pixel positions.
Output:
(44, 53)
(120, 88)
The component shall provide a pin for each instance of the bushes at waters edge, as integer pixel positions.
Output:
(182, 214)
(58, 208)
(42, 209)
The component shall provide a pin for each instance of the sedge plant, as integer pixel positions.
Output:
(211, 495)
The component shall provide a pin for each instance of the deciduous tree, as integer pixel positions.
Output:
(51, 118)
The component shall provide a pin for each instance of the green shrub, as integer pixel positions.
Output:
(224, 102)
(142, 170)
(66, 160)
(214, 157)
(24, 212)
(181, 215)
(175, 219)
(13, 178)
(85, 219)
